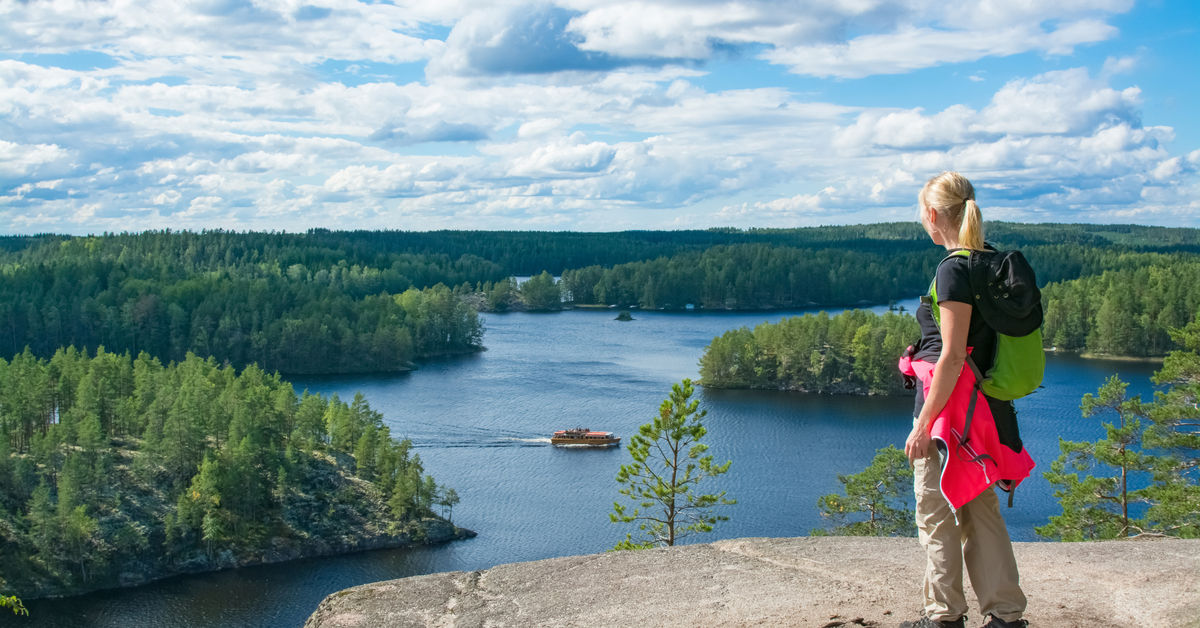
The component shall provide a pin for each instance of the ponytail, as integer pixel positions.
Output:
(970, 233)
(954, 197)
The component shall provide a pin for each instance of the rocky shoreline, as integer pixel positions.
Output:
(430, 532)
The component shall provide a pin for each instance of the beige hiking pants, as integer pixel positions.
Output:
(978, 537)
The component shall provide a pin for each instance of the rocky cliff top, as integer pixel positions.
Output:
(817, 581)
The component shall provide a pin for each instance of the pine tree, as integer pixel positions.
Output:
(364, 455)
(669, 462)
(448, 501)
(80, 536)
(43, 525)
(1174, 431)
(879, 492)
(1098, 507)
(309, 433)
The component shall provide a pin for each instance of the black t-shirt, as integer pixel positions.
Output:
(953, 284)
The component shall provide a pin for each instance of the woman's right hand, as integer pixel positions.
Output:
(918, 443)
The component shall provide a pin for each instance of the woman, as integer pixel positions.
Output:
(973, 530)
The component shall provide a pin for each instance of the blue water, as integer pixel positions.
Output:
(481, 424)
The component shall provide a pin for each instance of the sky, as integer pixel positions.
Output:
(591, 115)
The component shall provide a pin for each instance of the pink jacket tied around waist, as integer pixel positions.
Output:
(968, 470)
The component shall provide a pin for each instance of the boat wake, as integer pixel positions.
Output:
(485, 441)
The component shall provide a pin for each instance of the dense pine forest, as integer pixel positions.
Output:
(356, 302)
(854, 352)
(115, 470)
(282, 302)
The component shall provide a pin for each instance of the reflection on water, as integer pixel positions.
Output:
(482, 424)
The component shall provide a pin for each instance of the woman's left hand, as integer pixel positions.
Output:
(918, 443)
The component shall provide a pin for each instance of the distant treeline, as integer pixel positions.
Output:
(268, 299)
(329, 301)
(1125, 312)
(754, 276)
(854, 352)
(758, 276)
(111, 465)
(1129, 312)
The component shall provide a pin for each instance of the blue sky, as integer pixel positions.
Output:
(591, 114)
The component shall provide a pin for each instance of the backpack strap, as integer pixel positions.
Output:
(933, 297)
(937, 319)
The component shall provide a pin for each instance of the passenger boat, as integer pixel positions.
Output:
(583, 436)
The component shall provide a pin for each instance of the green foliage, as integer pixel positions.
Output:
(287, 302)
(111, 465)
(541, 293)
(853, 352)
(501, 296)
(1098, 507)
(448, 500)
(1174, 433)
(1124, 311)
(752, 276)
(669, 462)
(12, 602)
(878, 493)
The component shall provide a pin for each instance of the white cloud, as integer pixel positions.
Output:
(824, 38)
(915, 47)
(1067, 101)
(585, 113)
(571, 157)
(277, 35)
(1058, 140)
(23, 160)
(906, 129)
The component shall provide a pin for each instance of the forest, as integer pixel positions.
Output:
(854, 352)
(241, 298)
(326, 302)
(113, 465)
(1125, 312)
(758, 276)
(1119, 303)
(1130, 313)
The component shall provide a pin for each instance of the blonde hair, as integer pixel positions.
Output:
(953, 196)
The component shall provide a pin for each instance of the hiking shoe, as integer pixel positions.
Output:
(996, 622)
(926, 622)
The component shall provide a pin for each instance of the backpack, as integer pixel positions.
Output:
(1006, 294)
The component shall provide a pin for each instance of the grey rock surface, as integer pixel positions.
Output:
(817, 581)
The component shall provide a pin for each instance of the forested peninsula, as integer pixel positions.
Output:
(117, 470)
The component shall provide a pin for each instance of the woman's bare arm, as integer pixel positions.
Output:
(955, 321)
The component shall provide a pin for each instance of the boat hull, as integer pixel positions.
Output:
(587, 442)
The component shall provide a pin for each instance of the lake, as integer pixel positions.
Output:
(481, 425)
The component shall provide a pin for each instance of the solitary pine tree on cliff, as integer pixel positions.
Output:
(1174, 433)
(1158, 440)
(669, 462)
(1098, 506)
(874, 501)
